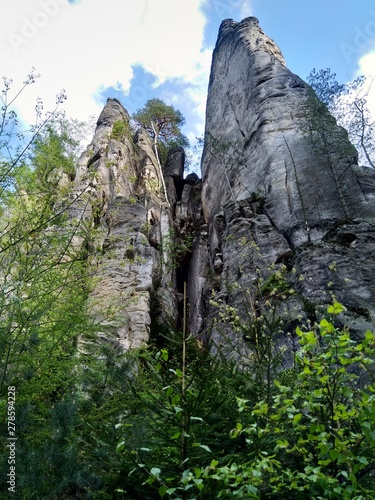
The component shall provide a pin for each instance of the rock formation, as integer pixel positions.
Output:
(270, 199)
(268, 205)
(118, 192)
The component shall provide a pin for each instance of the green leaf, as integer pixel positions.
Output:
(150, 480)
(163, 490)
(299, 332)
(176, 398)
(297, 418)
(203, 446)
(155, 471)
(197, 472)
(310, 338)
(334, 454)
(336, 308)
(120, 446)
(282, 444)
(369, 335)
(199, 483)
(326, 327)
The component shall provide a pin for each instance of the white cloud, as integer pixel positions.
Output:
(92, 45)
(246, 9)
(367, 68)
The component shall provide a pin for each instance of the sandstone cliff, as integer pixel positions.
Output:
(268, 206)
(134, 228)
(269, 199)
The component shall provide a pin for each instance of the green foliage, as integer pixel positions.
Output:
(16, 141)
(328, 141)
(51, 156)
(325, 86)
(175, 249)
(275, 284)
(163, 123)
(43, 292)
(181, 419)
(172, 420)
(310, 437)
(313, 438)
(121, 130)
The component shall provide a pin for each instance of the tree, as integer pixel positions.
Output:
(183, 406)
(328, 140)
(162, 122)
(300, 432)
(43, 291)
(15, 142)
(352, 111)
(312, 439)
(348, 103)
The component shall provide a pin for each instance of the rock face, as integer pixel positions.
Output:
(118, 192)
(276, 228)
(139, 243)
(269, 199)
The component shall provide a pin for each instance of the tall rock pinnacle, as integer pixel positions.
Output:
(119, 193)
(270, 199)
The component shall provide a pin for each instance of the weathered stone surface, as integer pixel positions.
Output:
(255, 144)
(268, 199)
(197, 278)
(175, 164)
(270, 216)
(119, 193)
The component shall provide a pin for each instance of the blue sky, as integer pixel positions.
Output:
(138, 49)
